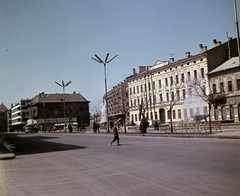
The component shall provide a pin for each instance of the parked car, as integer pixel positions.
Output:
(30, 129)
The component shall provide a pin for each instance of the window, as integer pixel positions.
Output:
(182, 77)
(178, 95)
(153, 85)
(202, 72)
(238, 84)
(167, 96)
(179, 114)
(154, 99)
(221, 87)
(185, 114)
(134, 102)
(141, 88)
(195, 74)
(161, 99)
(137, 89)
(169, 114)
(133, 90)
(214, 88)
(135, 117)
(229, 85)
(189, 76)
(174, 114)
(172, 96)
(184, 94)
(191, 112)
(149, 86)
(177, 81)
(159, 83)
(171, 80)
(166, 81)
(130, 91)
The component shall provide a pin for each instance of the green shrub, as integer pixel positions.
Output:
(144, 125)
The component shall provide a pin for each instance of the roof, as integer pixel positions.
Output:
(54, 98)
(231, 63)
(3, 108)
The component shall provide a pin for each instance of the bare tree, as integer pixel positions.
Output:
(212, 97)
(122, 104)
(96, 111)
(173, 96)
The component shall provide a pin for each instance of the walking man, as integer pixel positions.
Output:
(115, 133)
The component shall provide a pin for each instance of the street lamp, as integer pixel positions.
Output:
(105, 63)
(63, 85)
(44, 96)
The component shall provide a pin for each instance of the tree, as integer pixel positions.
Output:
(201, 88)
(96, 111)
(172, 97)
(122, 104)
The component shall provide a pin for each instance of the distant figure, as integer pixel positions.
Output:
(115, 133)
(98, 128)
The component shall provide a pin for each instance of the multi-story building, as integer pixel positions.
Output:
(19, 115)
(47, 110)
(154, 90)
(226, 79)
(118, 107)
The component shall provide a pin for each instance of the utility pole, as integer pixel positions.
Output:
(63, 85)
(97, 59)
(237, 28)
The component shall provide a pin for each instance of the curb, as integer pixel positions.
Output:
(6, 152)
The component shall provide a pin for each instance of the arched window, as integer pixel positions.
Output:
(179, 114)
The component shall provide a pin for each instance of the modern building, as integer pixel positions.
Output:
(155, 89)
(226, 79)
(18, 116)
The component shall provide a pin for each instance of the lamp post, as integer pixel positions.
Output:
(105, 63)
(63, 85)
(44, 96)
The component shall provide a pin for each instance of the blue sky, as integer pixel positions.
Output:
(43, 41)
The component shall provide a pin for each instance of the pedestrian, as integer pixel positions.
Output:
(98, 128)
(115, 134)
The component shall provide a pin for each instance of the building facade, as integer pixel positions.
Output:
(154, 90)
(226, 79)
(18, 116)
(47, 110)
(118, 105)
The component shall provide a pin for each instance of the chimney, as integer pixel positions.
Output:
(187, 54)
(205, 48)
(141, 69)
(171, 60)
(230, 38)
(201, 47)
(216, 43)
(134, 71)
